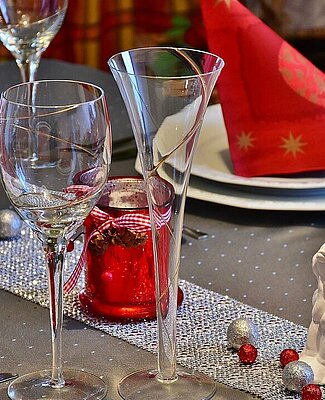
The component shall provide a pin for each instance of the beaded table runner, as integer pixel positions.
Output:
(202, 323)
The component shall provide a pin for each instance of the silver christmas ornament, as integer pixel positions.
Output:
(10, 224)
(296, 375)
(242, 331)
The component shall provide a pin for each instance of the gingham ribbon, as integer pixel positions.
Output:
(138, 223)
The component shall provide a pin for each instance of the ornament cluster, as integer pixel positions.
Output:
(242, 335)
(297, 376)
(116, 236)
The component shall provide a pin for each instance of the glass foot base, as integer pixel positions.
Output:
(79, 385)
(144, 385)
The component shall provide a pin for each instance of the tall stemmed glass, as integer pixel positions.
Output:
(71, 122)
(166, 92)
(27, 27)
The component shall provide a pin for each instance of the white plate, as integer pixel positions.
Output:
(230, 195)
(212, 159)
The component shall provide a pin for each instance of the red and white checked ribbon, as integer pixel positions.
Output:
(138, 223)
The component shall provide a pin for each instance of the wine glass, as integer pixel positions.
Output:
(27, 27)
(166, 92)
(71, 122)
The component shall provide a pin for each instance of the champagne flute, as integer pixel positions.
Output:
(71, 122)
(166, 92)
(27, 27)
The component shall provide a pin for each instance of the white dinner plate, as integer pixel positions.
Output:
(212, 160)
(220, 193)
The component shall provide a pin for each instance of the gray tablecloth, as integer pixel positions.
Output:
(262, 258)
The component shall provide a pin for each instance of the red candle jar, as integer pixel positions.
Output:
(119, 270)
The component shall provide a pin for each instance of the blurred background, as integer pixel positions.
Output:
(94, 30)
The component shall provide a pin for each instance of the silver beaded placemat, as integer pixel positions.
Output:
(202, 323)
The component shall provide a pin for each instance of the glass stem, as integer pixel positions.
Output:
(167, 264)
(54, 251)
(28, 67)
(166, 320)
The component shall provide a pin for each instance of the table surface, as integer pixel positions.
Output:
(261, 258)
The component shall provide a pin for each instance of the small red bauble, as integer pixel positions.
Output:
(247, 353)
(288, 355)
(311, 392)
(70, 246)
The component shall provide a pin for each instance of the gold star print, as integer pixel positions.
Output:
(245, 140)
(227, 2)
(292, 145)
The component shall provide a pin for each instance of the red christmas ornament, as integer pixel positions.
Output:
(311, 392)
(70, 246)
(288, 355)
(247, 353)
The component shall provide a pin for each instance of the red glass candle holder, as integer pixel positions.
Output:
(119, 270)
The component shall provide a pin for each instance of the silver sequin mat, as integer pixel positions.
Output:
(202, 323)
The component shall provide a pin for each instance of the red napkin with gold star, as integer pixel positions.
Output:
(273, 99)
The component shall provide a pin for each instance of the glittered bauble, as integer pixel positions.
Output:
(10, 224)
(296, 375)
(241, 331)
(311, 392)
(288, 355)
(247, 353)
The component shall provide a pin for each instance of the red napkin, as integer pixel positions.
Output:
(273, 99)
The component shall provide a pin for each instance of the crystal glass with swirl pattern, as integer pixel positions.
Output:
(71, 123)
(166, 91)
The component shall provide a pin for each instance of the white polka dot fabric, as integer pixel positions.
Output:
(268, 267)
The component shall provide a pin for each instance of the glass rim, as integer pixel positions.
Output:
(63, 5)
(134, 179)
(124, 178)
(187, 49)
(99, 97)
